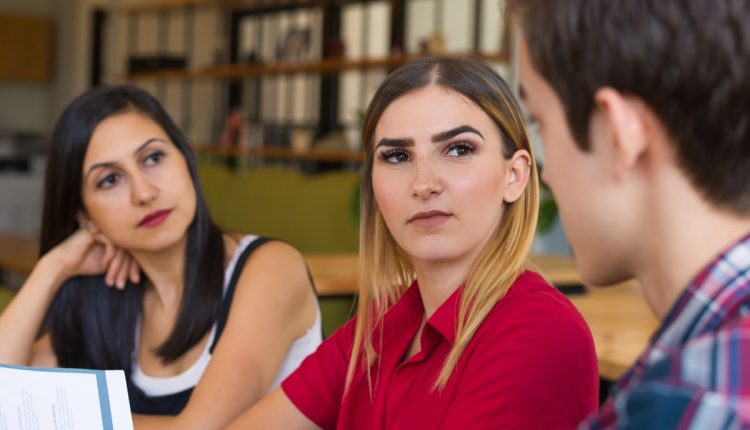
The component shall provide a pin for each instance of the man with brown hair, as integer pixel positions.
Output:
(644, 110)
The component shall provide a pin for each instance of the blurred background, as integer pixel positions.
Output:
(270, 93)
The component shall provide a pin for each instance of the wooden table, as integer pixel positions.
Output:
(334, 274)
(620, 320)
(621, 323)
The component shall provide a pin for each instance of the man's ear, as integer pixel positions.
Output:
(517, 175)
(627, 122)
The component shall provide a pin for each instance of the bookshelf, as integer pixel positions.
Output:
(322, 89)
(324, 66)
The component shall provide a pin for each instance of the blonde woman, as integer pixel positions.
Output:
(451, 331)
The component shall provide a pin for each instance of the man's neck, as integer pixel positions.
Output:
(683, 235)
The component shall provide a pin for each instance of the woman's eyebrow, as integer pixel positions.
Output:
(445, 135)
(147, 143)
(439, 137)
(399, 143)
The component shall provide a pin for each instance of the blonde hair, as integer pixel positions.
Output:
(385, 271)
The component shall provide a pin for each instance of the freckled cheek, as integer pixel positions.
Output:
(387, 191)
(478, 188)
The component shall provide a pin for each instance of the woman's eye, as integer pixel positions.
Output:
(108, 181)
(461, 149)
(394, 156)
(153, 158)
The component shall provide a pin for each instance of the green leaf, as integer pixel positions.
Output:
(547, 207)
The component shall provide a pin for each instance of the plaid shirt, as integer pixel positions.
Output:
(695, 373)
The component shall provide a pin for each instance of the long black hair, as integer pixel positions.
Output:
(91, 325)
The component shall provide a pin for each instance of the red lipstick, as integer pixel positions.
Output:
(429, 218)
(155, 218)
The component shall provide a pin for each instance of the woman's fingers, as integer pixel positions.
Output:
(124, 272)
(113, 266)
(135, 271)
(121, 269)
(119, 266)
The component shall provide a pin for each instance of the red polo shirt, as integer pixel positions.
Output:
(530, 365)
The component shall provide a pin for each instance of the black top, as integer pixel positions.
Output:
(173, 404)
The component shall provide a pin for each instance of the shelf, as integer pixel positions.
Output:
(284, 154)
(254, 5)
(27, 48)
(164, 5)
(325, 66)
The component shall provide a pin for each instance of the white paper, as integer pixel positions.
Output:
(118, 400)
(62, 399)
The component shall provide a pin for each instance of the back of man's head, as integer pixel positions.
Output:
(689, 60)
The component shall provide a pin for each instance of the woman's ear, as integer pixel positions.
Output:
(517, 175)
(85, 222)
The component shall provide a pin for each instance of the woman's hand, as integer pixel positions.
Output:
(88, 252)
(85, 252)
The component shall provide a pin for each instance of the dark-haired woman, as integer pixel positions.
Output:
(204, 323)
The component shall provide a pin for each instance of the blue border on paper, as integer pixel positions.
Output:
(101, 383)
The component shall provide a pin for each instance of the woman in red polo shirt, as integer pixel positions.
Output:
(451, 331)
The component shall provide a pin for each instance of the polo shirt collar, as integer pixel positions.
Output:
(445, 318)
(407, 314)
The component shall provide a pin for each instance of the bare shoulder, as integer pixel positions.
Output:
(276, 274)
(269, 253)
(280, 258)
(231, 242)
(277, 249)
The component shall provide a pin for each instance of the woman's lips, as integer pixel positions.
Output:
(429, 218)
(155, 218)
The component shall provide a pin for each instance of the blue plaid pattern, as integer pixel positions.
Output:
(695, 373)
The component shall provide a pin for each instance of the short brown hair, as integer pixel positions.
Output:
(689, 60)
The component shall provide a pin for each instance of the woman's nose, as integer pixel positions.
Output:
(143, 191)
(426, 180)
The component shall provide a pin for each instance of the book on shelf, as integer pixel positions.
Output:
(63, 399)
